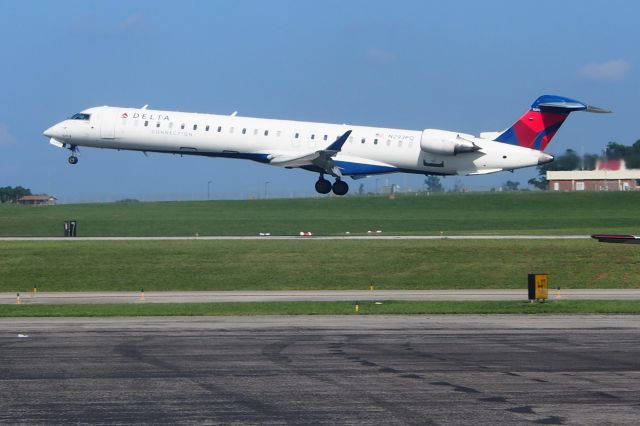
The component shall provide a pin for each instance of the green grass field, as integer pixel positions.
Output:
(312, 264)
(471, 213)
(326, 308)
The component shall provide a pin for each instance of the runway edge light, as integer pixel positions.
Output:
(538, 285)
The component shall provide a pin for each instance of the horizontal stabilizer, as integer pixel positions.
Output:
(597, 110)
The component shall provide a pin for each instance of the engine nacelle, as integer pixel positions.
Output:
(443, 142)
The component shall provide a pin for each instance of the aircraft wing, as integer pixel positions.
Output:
(322, 158)
(622, 239)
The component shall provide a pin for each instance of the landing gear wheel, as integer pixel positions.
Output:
(73, 159)
(340, 187)
(323, 186)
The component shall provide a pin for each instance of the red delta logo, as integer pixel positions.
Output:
(124, 115)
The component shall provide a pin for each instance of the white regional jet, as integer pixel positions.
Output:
(336, 150)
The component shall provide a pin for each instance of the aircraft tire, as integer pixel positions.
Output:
(323, 186)
(73, 159)
(340, 187)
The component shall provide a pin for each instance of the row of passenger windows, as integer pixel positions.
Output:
(266, 133)
(208, 127)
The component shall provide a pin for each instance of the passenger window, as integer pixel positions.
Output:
(206, 129)
(195, 127)
(363, 140)
(219, 129)
(313, 137)
(375, 141)
(266, 133)
(297, 135)
(244, 131)
(158, 124)
(182, 126)
(325, 137)
(146, 123)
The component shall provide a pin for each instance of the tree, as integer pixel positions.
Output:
(10, 194)
(510, 186)
(433, 184)
(570, 160)
(457, 186)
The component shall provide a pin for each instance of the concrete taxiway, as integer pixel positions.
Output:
(485, 370)
(309, 238)
(311, 295)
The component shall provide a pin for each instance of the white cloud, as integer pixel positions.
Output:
(613, 70)
(6, 138)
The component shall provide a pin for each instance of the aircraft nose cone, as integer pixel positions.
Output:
(544, 158)
(50, 132)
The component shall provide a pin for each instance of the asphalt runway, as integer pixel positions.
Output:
(302, 295)
(426, 370)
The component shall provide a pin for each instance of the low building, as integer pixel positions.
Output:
(609, 175)
(37, 200)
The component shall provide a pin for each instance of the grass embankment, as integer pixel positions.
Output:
(326, 308)
(312, 265)
(472, 213)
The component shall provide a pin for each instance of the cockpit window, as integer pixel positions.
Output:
(80, 116)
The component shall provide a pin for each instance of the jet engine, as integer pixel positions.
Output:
(443, 142)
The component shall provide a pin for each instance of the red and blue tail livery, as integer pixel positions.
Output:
(536, 127)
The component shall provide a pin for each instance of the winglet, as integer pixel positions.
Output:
(337, 145)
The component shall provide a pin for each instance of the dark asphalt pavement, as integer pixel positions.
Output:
(322, 370)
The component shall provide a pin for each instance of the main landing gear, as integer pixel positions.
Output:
(73, 159)
(323, 186)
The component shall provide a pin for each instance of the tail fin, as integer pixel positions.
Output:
(536, 127)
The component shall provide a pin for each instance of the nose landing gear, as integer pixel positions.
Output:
(73, 159)
(323, 186)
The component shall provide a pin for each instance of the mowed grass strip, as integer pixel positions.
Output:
(313, 265)
(326, 308)
(452, 214)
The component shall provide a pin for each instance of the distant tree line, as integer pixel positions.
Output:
(9, 194)
(571, 160)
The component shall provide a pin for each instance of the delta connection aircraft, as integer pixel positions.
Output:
(336, 150)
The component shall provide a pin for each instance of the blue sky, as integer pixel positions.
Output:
(459, 65)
